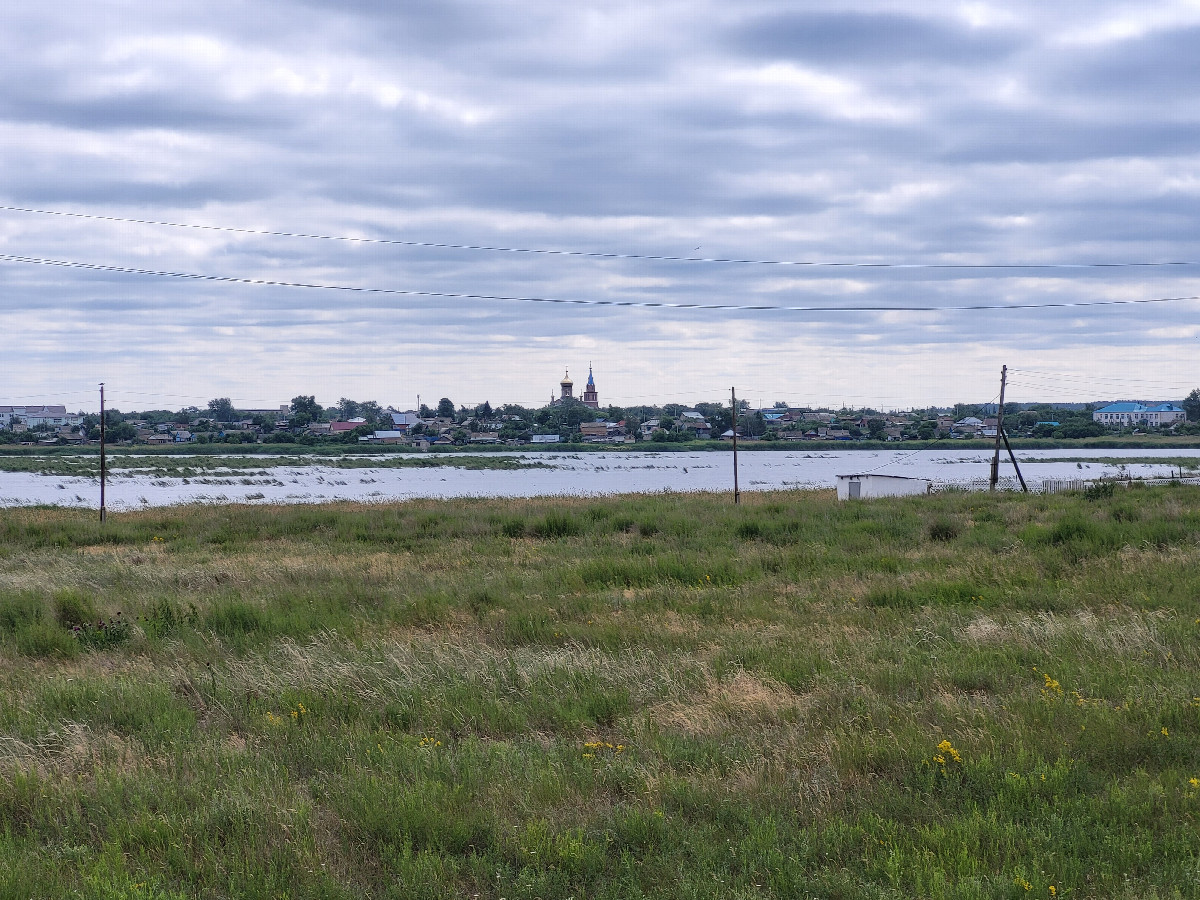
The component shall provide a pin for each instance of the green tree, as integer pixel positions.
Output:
(374, 414)
(222, 409)
(121, 431)
(1191, 405)
(445, 409)
(347, 409)
(305, 410)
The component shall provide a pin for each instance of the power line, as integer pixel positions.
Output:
(928, 446)
(1098, 385)
(650, 304)
(1072, 376)
(590, 254)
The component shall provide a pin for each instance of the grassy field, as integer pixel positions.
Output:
(960, 695)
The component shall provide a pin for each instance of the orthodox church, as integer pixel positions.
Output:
(567, 389)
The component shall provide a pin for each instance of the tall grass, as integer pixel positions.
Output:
(946, 696)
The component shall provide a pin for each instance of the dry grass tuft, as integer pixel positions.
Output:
(736, 703)
(1124, 633)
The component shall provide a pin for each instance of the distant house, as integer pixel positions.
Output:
(70, 436)
(1139, 414)
(543, 439)
(402, 421)
(690, 420)
(343, 427)
(385, 437)
(833, 434)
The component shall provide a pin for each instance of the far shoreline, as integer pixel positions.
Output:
(745, 446)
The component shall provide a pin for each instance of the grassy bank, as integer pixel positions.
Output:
(960, 695)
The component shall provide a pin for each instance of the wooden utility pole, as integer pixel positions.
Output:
(737, 496)
(999, 431)
(103, 469)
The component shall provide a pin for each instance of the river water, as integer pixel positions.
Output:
(561, 473)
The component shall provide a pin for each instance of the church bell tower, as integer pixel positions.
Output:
(590, 398)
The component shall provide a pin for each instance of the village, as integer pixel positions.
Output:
(571, 419)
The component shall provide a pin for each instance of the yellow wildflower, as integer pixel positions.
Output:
(947, 749)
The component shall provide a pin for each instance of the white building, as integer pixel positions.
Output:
(34, 416)
(869, 486)
(1139, 414)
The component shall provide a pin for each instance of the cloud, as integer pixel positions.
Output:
(841, 132)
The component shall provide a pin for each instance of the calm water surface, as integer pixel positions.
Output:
(577, 474)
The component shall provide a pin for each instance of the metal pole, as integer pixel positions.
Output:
(999, 431)
(103, 468)
(737, 496)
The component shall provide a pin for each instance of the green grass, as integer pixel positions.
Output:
(627, 697)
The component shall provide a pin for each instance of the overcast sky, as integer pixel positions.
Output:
(902, 133)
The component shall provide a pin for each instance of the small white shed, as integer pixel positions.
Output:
(865, 487)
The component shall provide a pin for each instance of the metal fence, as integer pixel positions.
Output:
(1056, 485)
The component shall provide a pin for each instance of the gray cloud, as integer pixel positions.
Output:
(856, 38)
(1009, 132)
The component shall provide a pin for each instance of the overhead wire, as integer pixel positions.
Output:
(1044, 374)
(593, 254)
(928, 446)
(650, 304)
(1097, 386)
